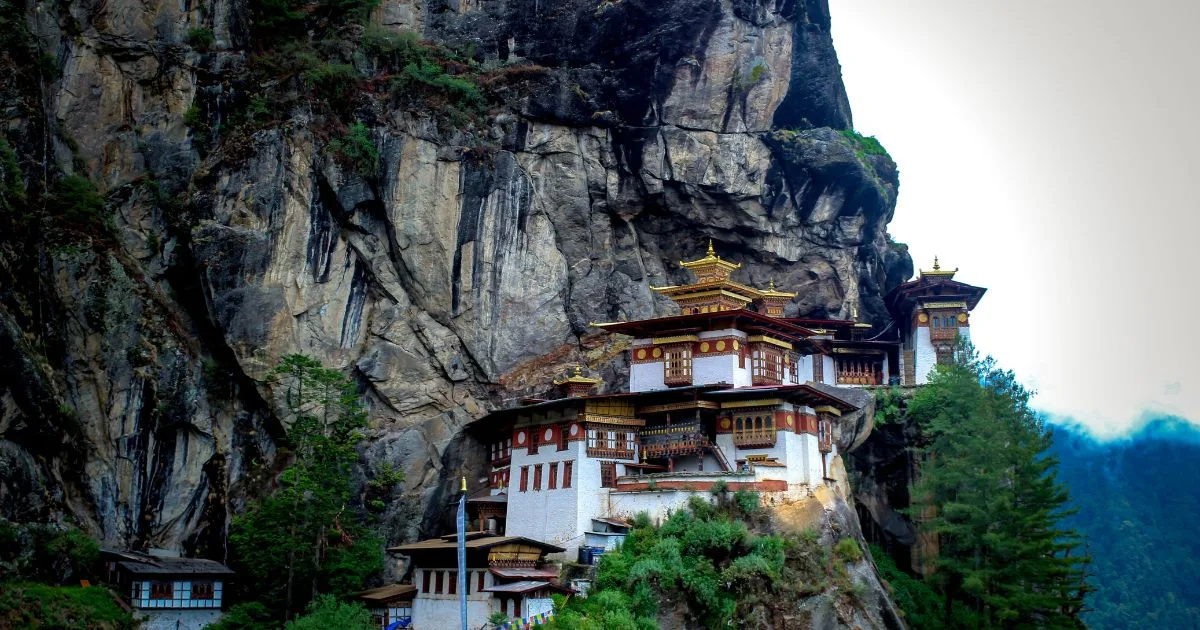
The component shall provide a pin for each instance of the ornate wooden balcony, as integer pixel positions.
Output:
(672, 441)
(754, 438)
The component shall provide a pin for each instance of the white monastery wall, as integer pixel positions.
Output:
(925, 357)
(178, 619)
(645, 377)
(717, 369)
(830, 370)
(551, 516)
(805, 365)
(433, 614)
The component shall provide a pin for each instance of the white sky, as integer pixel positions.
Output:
(1049, 149)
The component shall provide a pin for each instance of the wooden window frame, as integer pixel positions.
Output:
(537, 477)
(677, 364)
(480, 582)
(524, 479)
(564, 434)
(452, 583)
(162, 590)
(202, 590)
(568, 472)
(425, 581)
(552, 481)
(437, 583)
(608, 474)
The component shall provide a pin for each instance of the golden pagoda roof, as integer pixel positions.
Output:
(711, 259)
(578, 377)
(938, 271)
(771, 292)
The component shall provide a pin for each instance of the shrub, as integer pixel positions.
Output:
(200, 38)
(332, 80)
(848, 550)
(864, 145)
(358, 149)
(29, 605)
(327, 612)
(75, 198)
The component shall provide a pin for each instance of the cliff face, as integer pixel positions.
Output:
(136, 396)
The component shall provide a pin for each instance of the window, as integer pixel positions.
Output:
(162, 590)
(563, 432)
(567, 466)
(818, 368)
(537, 477)
(608, 474)
(535, 436)
(553, 481)
(677, 364)
(437, 582)
(480, 589)
(501, 450)
(767, 364)
(202, 590)
(425, 581)
(524, 478)
(452, 587)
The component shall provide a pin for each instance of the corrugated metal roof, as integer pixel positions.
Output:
(388, 593)
(483, 542)
(523, 586)
(175, 566)
(549, 574)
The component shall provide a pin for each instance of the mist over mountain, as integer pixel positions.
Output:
(1138, 506)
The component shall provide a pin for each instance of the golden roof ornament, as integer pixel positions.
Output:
(578, 377)
(937, 269)
(710, 249)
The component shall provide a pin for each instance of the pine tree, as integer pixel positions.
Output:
(311, 535)
(988, 491)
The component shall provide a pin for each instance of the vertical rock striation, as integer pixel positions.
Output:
(455, 280)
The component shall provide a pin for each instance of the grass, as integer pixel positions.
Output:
(34, 605)
(864, 145)
(200, 38)
(848, 550)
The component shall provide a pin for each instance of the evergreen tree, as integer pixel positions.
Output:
(988, 491)
(311, 535)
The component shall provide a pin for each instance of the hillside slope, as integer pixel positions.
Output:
(1138, 503)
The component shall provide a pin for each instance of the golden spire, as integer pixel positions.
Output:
(771, 285)
(854, 311)
(578, 377)
(711, 252)
(464, 484)
(937, 270)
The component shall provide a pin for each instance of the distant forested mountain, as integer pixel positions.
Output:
(1139, 506)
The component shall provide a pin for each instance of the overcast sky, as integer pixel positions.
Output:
(1049, 149)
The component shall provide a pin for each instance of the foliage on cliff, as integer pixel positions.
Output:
(711, 565)
(36, 561)
(35, 605)
(987, 489)
(312, 535)
(1137, 503)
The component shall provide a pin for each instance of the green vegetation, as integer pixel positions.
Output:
(864, 145)
(200, 38)
(311, 536)
(922, 607)
(76, 199)
(889, 406)
(327, 612)
(32, 605)
(848, 550)
(358, 149)
(1137, 504)
(46, 553)
(988, 491)
(708, 562)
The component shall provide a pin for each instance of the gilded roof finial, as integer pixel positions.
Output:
(854, 311)
(771, 285)
(710, 248)
(464, 484)
(578, 370)
(936, 266)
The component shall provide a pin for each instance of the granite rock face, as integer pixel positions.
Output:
(453, 282)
